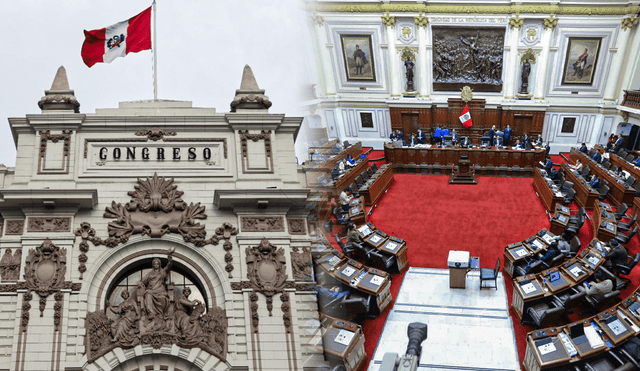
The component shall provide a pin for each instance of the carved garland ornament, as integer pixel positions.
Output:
(297, 226)
(155, 134)
(421, 21)
(264, 135)
(14, 227)
(266, 269)
(226, 231)
(45, 136)
(629, 23)
(262, 224)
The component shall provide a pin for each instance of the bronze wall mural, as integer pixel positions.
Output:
(468, 56)
(151, 315)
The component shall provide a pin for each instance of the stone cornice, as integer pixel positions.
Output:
(80, 198)
(228, 198)
(345, 7)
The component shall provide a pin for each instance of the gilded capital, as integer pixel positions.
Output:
(421, 21)
(550, 23)
(388, 20)
(408, 53)
(529, 55)
(317, 20)
(629, 23)
(516, 22)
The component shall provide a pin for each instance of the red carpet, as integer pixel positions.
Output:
(435, 217)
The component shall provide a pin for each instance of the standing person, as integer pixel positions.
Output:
(422, 137)
(492, 133)
(360, 59)
(526, 141)
(454, 137)
(507, 135)
(345, 197)
(580, 64)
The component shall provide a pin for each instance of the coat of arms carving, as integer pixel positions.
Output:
(266, 269)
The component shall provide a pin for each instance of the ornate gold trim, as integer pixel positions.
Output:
(528, 54)
(407, 52)
(421, 21)
(389, 20)
(629, 23)
(476, 9)
(516, 22)
(550, 23)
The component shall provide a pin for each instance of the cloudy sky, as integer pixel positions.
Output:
(202, 47)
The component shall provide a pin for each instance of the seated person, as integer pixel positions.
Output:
(413, 141)
(393, 136)
(352, 234)
(454, 137)
(577, 166)
(597, 157)
(548, 165)
(345, 197)
(605, 156)
(553, 174)
(350, 161)
(342, 166)
(422, 137)
(327, 295)
(399, 134)
(552, 252)
(617, 171)
(526, 140)
(497, 140)
(597, 288)
(518, 145)
(617, 255)
(618, 143)
(538, 140)
(584, 148)
(637, 161)
(563, 241)
(466, 143)
(594, 181)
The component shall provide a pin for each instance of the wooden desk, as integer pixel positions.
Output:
(516, 253)
(618, 192)
(388, 245)
(604, 321)
(533, 287)
(343, 342)
(560, 219)
(548, 196)
(357, 213)
(585, 196)
(405, 159)
(313, 170)
(616, 160)
(604, 222)
(347, 178)
(377, 184)
(635, 210)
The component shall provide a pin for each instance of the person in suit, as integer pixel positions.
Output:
(352, 234)
(548, 165)
(492, 133)
(518, 145)
(413, 141)
(393, 136)
(507, 135)
(616, 255)
(437, 134)
(618, 144)
(328, 295)
(597, 157)
(350, 161)
(595, 181)
(454, 137)
(399, 134)
(465, 143)
(552, 252)
(547, 148)
(526, 141)
(497, 140)
(584, 148)
(538, 140)
(553, 174)
(422, 137)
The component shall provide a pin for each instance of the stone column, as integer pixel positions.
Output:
(324, 47)
(424, 56)
(610, 90)
(511, 64)
(541, 74)
(395, 76)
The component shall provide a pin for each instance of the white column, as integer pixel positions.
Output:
(424, 55)
(543, 60)
(325, 53)
(614, 72)
(394, 68)
(512, 64)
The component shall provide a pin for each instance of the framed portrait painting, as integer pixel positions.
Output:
(358, 59)
(581, 60)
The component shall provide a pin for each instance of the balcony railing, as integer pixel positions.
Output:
(631, 99)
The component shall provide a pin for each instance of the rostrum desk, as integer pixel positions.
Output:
(618, 192)
(491, 160)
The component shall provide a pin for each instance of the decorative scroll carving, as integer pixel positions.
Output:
(260, 100)
(48, 224)
(26, 307)
(301, 264)
(516, 22)
(264, 135)
(44, 271)
(155, 134)
(155, 209)
(262, 224)
(286, 311)
(297, 226)
(226, 231)
(388, 20)
(149, 317)
(255, 317)
(14, 228)
(550, 23)
(629, 23)
(266, 269)
(10, 265)
(287, 285)
(45, 137)
(468, 56)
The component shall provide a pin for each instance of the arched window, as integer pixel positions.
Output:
(180, 276)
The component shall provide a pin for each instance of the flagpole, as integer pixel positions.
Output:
(155, 54)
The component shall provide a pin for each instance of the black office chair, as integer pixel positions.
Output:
(347, 249)
(604, 189)
(364, 175)
(627, 267)
(625, 238)
(585, 170)
(575, 247)
(359, 181)
(543, 314)
(569, 196)
(488, 274)
(595, 305)
(354, 189)
(346, 144)
(361, 253)
(382, 262)
(606, 164)
(356, 303)
(631, 180)
(621, 211)
(374, 167)
(628, 225)
(609, 361)
(369, 172)
(569, 299)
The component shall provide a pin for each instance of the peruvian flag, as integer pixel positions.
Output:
(465, 117)
(106, 44)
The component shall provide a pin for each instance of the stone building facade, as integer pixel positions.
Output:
(108, 218)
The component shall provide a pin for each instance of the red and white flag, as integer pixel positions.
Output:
(106, 44)
(465, 117)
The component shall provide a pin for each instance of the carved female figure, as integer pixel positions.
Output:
(152, 291)
(187, 321)
(123, 329)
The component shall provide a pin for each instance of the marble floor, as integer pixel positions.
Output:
(469, 329)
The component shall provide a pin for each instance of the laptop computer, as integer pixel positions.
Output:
(576, 332)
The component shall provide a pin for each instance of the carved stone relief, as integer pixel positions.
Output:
(247, 167)
(87, 234)
(262, 223)
(10, 265)
(14, 228)
(45, 137)
(297, 226)
(48, 224)
(45, 269)
(467, 56)
(301, 264)
(266, 269)
(155, 134)
(150, 316)
(226, 231)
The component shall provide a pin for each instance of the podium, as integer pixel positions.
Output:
(465, 173)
